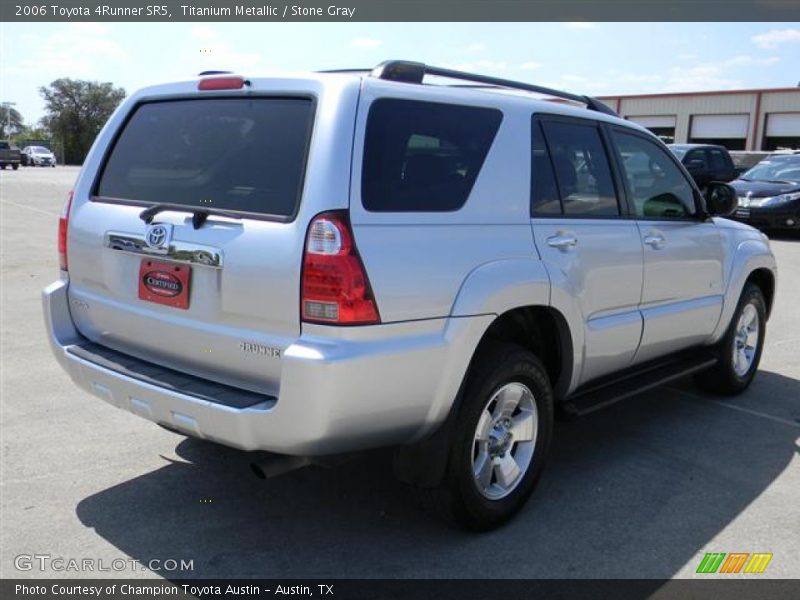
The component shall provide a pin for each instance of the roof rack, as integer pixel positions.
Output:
(414, 72)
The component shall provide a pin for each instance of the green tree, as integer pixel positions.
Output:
(76, 111)
(30, 133)
(11, 122)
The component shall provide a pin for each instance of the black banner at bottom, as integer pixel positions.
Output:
(395, 589)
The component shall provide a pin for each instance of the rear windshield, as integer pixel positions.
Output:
(246, 155)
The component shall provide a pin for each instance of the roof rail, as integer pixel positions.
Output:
(414, 72)
(345, 71)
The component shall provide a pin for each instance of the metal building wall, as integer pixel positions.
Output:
(754, 103)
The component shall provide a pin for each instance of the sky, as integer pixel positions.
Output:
(586, 58)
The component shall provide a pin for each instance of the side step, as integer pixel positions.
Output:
(619, 386)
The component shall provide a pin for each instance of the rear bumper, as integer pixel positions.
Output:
(392, 385)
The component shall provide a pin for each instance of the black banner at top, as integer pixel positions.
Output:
(398, 10)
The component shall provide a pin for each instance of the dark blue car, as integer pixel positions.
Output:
(769, 193)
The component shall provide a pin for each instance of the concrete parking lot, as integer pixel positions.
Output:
(642, 489)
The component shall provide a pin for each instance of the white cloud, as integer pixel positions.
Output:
(75, 51)
(476, 47)
(580, 25)
(750, 61)
(701, 77)
(365, 42)
(530, 65)
(776, 37)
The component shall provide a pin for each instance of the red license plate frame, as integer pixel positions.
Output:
(165, 283)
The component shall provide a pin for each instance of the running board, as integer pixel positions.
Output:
(608, 390)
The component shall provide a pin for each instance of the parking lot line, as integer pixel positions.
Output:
(34, 209)
(735, 407)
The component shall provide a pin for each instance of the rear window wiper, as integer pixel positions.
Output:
(199, 214)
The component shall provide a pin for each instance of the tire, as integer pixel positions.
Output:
(15, 166)
(737, 366)
(503, 375)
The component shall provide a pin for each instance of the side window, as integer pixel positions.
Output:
(581, 167)
(658, 188)
(424, 156)
(698, 157)
(544, 193)
(718, 162)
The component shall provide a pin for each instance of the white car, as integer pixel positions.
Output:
(38, 156)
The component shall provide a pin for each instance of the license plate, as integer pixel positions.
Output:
(743, 213)
(164, 283)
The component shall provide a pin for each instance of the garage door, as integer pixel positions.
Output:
(719, 126)
(656, 121)
(783, 125)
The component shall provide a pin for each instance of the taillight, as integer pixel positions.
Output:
(63, 224)
(335, 288)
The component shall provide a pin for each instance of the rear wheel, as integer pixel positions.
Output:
(739, 351)
(500, 441)
(15, 166)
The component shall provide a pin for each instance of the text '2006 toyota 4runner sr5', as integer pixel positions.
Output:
(318, 264)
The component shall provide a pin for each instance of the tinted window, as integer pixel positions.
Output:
(544, 193)
(657, 187)
(424, 156)
(582, 170)
(718, 162)
(698, 156)
(238, 154)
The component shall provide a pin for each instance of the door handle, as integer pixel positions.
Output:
(655, 240)
(563, 241)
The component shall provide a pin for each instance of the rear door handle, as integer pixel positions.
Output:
(655, 240)
(563, 241)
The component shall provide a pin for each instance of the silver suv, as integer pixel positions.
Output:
(409, 256)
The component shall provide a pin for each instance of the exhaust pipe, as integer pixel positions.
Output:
(273, 465)
(278, 464)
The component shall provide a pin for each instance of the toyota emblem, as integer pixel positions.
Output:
(157, 236)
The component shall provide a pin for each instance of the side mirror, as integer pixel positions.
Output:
(721, 199)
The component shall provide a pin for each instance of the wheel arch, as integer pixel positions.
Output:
(545, 332)
(765, 280)
(751, 262)
(538, 328)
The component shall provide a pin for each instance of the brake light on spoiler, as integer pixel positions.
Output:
(222, 83)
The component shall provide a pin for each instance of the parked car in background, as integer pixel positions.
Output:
(9, 155)
(744, 160)
(38, 156)
(769, 193)
(705, 162)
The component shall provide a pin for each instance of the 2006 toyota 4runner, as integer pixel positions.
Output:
(317, 264)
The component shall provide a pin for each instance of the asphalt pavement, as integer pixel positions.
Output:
(642, 489)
